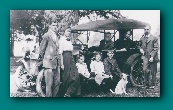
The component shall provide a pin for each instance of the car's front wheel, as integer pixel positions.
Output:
(136, 73)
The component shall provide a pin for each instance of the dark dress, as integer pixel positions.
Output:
(70, 76)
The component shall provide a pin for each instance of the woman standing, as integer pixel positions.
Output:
(70, 76)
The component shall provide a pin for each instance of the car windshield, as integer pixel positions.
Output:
(96, 37)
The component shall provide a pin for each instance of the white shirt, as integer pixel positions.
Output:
(82, 69)
(97, 67)
(147, 35)
(65, 45)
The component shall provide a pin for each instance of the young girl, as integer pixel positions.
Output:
(97, 67)
(82, 67)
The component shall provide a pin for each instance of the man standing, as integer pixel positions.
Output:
(149, 49)
(49, 54)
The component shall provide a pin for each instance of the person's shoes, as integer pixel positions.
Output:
(152, 87)
(78, 96)
(66, 95)
(146, 87)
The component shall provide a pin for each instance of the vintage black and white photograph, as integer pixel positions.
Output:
(85, 53)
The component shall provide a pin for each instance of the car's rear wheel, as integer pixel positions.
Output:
(40, 84)
(136, 73)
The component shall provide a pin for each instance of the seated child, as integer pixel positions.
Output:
(82, 67)
(111, 67)
(110, 64)
(97, 67)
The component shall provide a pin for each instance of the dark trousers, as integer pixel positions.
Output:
(150, 70)
(153, 67)
(52, 79)
(70, 77)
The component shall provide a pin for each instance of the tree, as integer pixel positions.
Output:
(23, 19)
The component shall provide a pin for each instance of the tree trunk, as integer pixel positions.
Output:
(12, 43)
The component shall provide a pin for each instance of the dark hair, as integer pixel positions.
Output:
(68, 29)
(79, 56)
(97, 53)
(107, 33)
(52, 20)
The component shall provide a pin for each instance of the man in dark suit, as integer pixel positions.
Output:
(149, 49)
(49, 55)
(106, 44)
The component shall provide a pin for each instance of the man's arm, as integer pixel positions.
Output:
(155, 47)
(43, 46)
(60, 51)
(109, 45)
(140, 45)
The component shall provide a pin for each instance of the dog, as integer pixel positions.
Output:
(121, 86)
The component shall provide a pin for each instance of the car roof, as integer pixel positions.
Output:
(110, 24)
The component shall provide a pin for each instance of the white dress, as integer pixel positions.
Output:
(82, 69)
(65, 45)
(98, 68)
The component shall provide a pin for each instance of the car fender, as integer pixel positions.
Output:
(129, 62)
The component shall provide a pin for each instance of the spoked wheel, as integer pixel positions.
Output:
(137, 74)
(40, 84)
(21, 79)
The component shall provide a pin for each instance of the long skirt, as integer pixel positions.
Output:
(70, 76)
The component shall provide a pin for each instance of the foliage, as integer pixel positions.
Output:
(23, 19)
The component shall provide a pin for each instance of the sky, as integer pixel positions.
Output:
(149, 16)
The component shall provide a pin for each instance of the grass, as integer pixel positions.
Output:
(131, 91)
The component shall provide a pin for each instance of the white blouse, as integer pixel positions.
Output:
(65, 45)
(97, 67)
(82, 69)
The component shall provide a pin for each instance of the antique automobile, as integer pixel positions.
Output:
(129, 60)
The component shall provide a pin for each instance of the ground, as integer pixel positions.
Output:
(132, 91)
